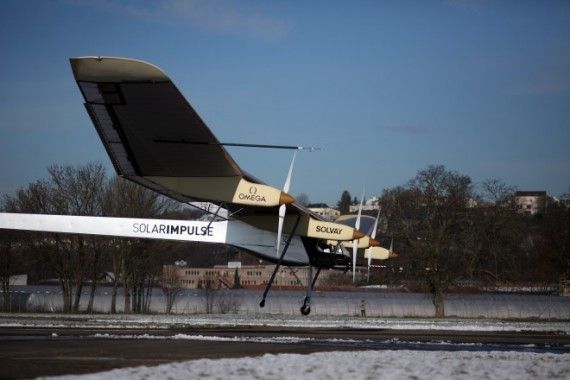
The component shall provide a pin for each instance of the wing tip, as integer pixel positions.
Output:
(115, 69)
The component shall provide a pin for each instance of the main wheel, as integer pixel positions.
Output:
(306, 308)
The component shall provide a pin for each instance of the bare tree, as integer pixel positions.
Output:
(227, 301)
(98, 245)
(78, 191)
(171, 285)
(5, 269)
(499, 231)
(6, 263)
(303, 199)
(135, 262)
(115, 253)
(9, 240)
(37, 197)
(208, 290)
(551, 258)
(68, 191)
(141, 267)
(428, 214)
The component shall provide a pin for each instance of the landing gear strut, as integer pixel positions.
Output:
(262, 303)
(306, 308)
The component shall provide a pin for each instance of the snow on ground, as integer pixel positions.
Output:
(385, 344)
(459, 363)
(359, 365)
(242, 339)
(124, 321)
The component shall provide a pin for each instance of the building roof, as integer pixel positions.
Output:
(318, 205)
(530, 194)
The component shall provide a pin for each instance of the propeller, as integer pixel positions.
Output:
(355, 241)
(283, 208)
(373, 236)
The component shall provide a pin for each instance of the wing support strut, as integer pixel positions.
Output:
(290, 147)
(215, 215)
(262, 303)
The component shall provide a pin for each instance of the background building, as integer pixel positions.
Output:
(324, 210)
(249, 276)
(530, 202)
(371, 204)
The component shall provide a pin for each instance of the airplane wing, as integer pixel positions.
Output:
(146, 125)
(154, 137)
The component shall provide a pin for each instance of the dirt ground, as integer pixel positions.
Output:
(33, 352)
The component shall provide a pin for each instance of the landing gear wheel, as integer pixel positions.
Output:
(306, 308)
(262, 303)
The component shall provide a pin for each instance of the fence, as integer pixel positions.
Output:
(378, 304)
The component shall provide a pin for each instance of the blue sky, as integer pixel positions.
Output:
(383, 88)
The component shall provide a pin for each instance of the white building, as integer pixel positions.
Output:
(18, 279)
(530, 202)
(371, 204)
(324, 210)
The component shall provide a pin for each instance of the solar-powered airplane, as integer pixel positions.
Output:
(155, 138)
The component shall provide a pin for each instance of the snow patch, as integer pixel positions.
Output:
(244, 339)
(122, 321)
(434, 365)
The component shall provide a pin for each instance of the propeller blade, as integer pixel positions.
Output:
(355, 242)
(391, 251)
(354, 250)
(357, 225)
(373, 236)
(283, 208)
(288, 180)
(375, 228)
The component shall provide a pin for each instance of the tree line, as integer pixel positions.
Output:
(75, 260)
(446, 231)
(449, 231)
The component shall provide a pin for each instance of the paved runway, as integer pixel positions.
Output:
(32, 352)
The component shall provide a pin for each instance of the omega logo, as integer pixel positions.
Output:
(252, 196)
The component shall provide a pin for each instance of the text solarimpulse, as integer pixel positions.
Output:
(172, 229)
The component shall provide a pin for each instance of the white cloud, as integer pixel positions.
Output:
(470, 5)
(222, 16)
(552, 77)
(406, 129)
(553, 82)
